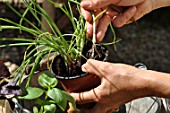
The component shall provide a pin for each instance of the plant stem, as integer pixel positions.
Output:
(94, 36)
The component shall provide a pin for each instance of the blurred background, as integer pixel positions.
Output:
(149, 43)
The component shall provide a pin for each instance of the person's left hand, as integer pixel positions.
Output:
(103, 21)
(133, 12)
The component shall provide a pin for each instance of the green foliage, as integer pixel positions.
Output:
(50, 108)
(46, 43)
(33, 93)
(58, 97)
(46, 80)
(43, 44)
(51, 95)
(35, 109)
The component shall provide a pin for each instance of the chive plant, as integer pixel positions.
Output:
(45, 43)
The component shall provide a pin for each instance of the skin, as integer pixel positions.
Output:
(121, 83)
(135, 9)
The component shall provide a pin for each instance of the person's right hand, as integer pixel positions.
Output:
(120, 83)
(137, 9)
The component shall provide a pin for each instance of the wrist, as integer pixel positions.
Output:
(159, 84)
(153, 83)
(142, 83)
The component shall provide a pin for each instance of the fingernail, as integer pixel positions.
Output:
(117, 22)
(83, 68)
(85, 4)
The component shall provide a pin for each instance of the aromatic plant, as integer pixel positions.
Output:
(46, 43)
(43, 45)
(49, 94)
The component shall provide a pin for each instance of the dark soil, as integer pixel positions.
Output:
(73, 68)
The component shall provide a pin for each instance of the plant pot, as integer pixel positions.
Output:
(80, 81)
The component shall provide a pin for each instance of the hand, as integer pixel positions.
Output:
(120, 84)
(137, 9)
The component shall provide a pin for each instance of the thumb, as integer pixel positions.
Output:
(94, 67)
(86, 97)
(96, 4)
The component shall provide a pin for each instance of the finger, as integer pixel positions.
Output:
(86, 14)
(93, 67)
(97, 15)
(124, 17)
(142, 9)
(89, 29)
(128, 2)
(102, 27)
(96, 67)
(96, 4)
(86, 97)
(111, 12)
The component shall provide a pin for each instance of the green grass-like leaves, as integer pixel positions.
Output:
(42, 45)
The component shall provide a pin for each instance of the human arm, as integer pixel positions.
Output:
(120, 84)
(137, 9)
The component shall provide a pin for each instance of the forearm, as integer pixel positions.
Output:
(154, 84)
